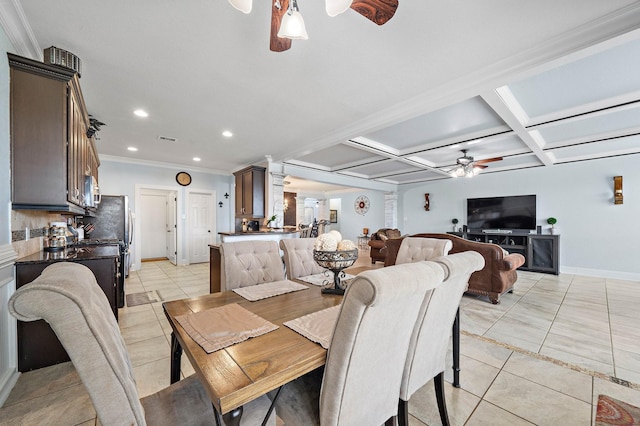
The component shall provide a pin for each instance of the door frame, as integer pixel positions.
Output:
(214, 225)
(137, 246)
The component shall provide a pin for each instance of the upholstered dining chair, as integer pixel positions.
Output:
(430, 337)
(246, 263)
(67, 296)
(298, 257)
(419, 249)
(360, 381)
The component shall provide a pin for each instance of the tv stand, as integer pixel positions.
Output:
(541, 251)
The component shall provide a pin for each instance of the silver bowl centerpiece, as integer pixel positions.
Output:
(335, 261)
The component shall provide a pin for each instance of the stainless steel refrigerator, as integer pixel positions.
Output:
(112, 224)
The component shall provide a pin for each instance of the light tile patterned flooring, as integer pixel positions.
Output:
(507, 379)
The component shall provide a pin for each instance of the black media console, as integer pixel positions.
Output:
(541, 251)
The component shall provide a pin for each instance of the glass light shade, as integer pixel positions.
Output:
(243, 6)
(336, 7)
(292, 26)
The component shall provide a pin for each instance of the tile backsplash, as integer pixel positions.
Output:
(36, 221)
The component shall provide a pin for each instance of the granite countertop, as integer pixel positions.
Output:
(277, 231)
(71, 253)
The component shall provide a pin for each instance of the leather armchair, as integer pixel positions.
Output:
(496, 278)
(378, 241)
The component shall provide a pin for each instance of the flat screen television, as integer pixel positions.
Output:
(515, 213)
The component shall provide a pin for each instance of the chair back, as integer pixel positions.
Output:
(418, 249)
(298, 257)
(369, 346)
(430, 337)
(67, 296)
(305, 232)
(246, 263)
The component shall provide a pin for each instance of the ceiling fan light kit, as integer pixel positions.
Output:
(467, 167)
(289, 25)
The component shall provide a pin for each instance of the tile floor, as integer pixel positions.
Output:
(540, 357)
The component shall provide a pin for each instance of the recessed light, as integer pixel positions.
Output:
(227, 134)
(141, 113)
(132, 148)
(196, 158)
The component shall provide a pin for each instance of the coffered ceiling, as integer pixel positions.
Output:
(536, 83)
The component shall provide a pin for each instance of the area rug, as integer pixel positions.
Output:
(614, 412)
(135, 299)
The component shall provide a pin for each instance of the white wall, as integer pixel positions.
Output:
(8, 345)
(350, 223)
(120, 178)
(596, 236)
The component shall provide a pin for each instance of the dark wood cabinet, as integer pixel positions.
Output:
(38, 345)
(50, 149)
(541, 252)
(250, 192)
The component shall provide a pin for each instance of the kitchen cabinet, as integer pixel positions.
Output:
(250, 192)
(38, 346)
(50, 149)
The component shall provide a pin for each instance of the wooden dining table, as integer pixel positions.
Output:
(240, 373)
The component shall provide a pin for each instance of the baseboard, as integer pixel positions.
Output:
(7, 382)
(617, 275)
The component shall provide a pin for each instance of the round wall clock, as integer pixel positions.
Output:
(362, 204)
(183, 178)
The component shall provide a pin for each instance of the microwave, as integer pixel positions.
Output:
(92, 194)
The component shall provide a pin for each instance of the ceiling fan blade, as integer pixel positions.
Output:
(489, 160)
(378, 11)
(278, 44)
(479, 166)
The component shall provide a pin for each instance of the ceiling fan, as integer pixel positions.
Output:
(467, 167)
(286, 11)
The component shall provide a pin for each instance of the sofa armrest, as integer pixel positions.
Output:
(512, 261)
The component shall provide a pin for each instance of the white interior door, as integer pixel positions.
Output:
(153, 222)
(171, 227)
(201, 225)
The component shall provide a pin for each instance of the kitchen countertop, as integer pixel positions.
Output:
(71, 253)
(259, 232)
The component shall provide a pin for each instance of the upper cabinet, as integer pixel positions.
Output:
(51, 154)
(250, 192)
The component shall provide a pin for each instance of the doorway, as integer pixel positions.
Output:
(157, 210)
(201, 224)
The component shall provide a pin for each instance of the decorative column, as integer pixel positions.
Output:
(391, 210)
(277, 187)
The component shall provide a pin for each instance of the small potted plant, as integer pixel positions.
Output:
(552, 221)
(455, 222)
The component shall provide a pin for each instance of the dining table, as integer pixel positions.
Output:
(237, 374)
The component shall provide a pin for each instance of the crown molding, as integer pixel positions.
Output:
(18, 30)
(125, 160)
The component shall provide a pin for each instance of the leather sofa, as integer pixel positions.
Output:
(377, 242)
(496, 278)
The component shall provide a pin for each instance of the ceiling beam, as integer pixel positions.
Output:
(506, 106)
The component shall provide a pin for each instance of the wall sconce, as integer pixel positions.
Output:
(426, 202)
(226, 195)
(285, 205)
(617, 189)
(220, 204)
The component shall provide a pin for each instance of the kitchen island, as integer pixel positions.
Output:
(38, 345)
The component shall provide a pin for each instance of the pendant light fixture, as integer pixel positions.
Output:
(292, 25)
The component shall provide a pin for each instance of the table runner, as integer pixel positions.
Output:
(262, 291)
(324, 278)
(317, 326)
(218, 328)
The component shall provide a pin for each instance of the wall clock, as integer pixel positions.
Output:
(183, 178)
(362, 204)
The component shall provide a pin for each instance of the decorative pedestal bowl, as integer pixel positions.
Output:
(335, 261)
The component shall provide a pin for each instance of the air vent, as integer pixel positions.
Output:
(167, 139)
